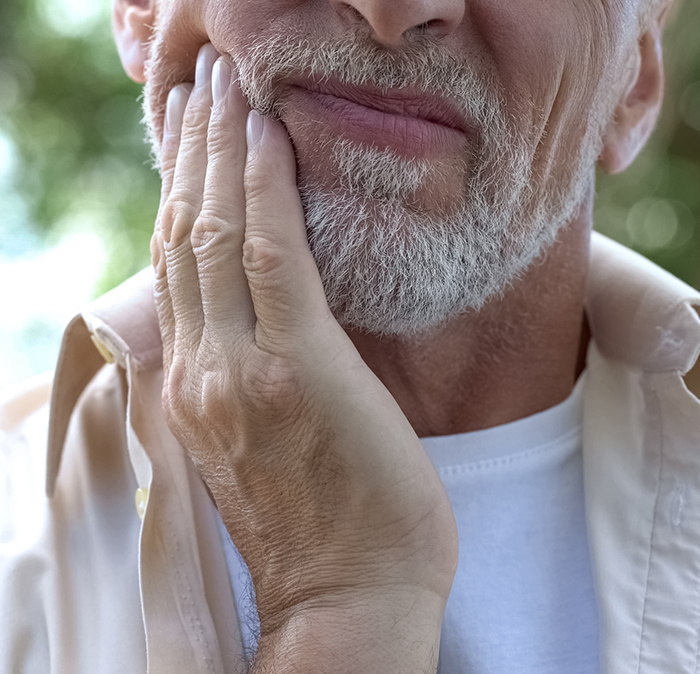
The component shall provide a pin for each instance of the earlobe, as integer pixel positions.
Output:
(636, 114)
(132, 24)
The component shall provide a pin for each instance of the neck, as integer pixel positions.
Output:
(519, 355)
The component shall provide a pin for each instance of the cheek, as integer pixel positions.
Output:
(179, 37)
(550, 59)
(227, 23)
(528, 44)
(232, 25)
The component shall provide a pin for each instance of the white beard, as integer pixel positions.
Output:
(390, 269)
(386, 266)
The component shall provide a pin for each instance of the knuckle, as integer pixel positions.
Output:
(179, 214)
(271, 383)
(176, 205)
(174, 400)
(157, 254)
(156, 244)
(182, 399)
(260, 256)
(161, 290)
(200, 393)
(210, 229)
(219, 403)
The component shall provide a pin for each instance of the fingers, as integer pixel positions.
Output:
(284, 282)
(175, 112)
(217, 236)
(191, 165)
(219, 200)
(180, 309)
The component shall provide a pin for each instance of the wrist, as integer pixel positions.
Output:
(393, 630)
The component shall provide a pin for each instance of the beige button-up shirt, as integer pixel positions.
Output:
(110, 555)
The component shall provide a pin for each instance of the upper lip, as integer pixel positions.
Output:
(433, 108)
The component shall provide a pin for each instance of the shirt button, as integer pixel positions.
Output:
(141, 501)
(102, 348)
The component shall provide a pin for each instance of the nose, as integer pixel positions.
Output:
(391, 20)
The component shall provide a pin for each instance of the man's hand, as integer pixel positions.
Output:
(319, 477)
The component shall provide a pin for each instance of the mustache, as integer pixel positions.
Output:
(268, 64)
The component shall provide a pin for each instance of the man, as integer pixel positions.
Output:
(394, 244)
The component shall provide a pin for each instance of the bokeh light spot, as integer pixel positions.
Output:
(72, 18)
(652, 223)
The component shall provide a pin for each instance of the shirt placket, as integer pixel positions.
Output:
(180, 635)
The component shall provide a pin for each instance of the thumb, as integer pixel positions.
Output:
(284, 283)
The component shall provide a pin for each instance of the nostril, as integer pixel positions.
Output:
(426, 27)
(434, 28)
(392, 21)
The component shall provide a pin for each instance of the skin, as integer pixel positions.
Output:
(305, 434)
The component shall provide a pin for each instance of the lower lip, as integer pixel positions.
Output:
(406, 135)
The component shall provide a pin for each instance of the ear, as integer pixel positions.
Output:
(636, 114)
(132, 24)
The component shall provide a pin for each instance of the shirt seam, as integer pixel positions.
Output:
(517, 457)
(659, 443)
(195, 623)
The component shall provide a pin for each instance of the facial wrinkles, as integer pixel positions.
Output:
(387, 265)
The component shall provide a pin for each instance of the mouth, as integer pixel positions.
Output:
(411, 123)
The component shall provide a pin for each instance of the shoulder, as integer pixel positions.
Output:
(639, 314)
(83, 394)
(120, 327)
(53, 568)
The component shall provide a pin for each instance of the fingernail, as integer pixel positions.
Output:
(220, 79)
(205, 62)
(175, 110)
(254, 128)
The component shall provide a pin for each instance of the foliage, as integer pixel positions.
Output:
(69, 126)
(654, 206)
(75, 119)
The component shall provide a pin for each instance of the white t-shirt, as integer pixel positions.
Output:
(523, 598)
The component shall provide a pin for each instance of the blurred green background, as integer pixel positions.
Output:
(78, 196)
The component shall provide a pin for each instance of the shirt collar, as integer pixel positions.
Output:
(638, 314)
(123, 326)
